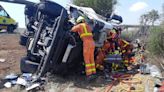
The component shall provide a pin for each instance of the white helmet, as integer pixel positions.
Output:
(138, 41)
(80, 19)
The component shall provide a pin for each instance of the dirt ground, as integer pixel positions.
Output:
(11, 51)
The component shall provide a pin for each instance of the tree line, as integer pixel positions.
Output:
(102, 7)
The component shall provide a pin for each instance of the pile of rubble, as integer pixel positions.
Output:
(24, 81)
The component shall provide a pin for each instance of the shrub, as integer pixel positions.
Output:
(127, 35)
(156, 41)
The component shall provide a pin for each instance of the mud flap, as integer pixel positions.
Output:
(27, 66)
(23, 40)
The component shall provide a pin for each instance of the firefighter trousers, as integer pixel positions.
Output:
(88, 53)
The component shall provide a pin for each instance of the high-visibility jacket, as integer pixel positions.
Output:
(85, 34)
(124, 46)
(107, 48)
(102, 52)
(122, 43)
(83, 30)
(128, 61)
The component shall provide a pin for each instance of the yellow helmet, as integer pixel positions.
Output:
(80, 19)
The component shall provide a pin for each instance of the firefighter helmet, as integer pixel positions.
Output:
(80, 19)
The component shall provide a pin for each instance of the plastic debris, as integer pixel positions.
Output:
(33, 86)
(24, 80)
(156, 89)
(144, 68)
(11, 77)
(13, 82)
(157, 82)
(8, 84)
(27, 76)
(2, 60)
(21, 81)
(154, 71)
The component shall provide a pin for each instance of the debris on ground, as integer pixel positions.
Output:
(2, 60)
(11, 77)
(35, 85)
(8, 84)
(21, 81)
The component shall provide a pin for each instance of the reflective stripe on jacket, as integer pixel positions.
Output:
(83, 30)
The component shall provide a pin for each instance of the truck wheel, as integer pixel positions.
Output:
(27, 66)
(10, 29)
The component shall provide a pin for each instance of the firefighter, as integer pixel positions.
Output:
(84, 30)
(102, 52)
(126, 50)
(108, 47)
(123, 44)
(111, 38)
(112, 49)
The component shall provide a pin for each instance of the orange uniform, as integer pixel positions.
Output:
(108, 47)
(101, 55)
(112, 35)
(88, 46)
(126, 49)
(124, 45)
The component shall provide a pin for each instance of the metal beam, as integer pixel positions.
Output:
(18, 2)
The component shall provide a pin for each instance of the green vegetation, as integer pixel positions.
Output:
(127, 35)
(156, 41)
(156, 38)
(102, 7)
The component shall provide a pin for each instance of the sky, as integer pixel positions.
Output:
(130, 10)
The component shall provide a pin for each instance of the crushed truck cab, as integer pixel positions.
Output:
(6, 22)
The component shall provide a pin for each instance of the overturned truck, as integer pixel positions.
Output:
(51, 46)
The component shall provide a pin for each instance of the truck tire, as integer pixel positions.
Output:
(10, 29)
(23, 40)
(26, 66)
